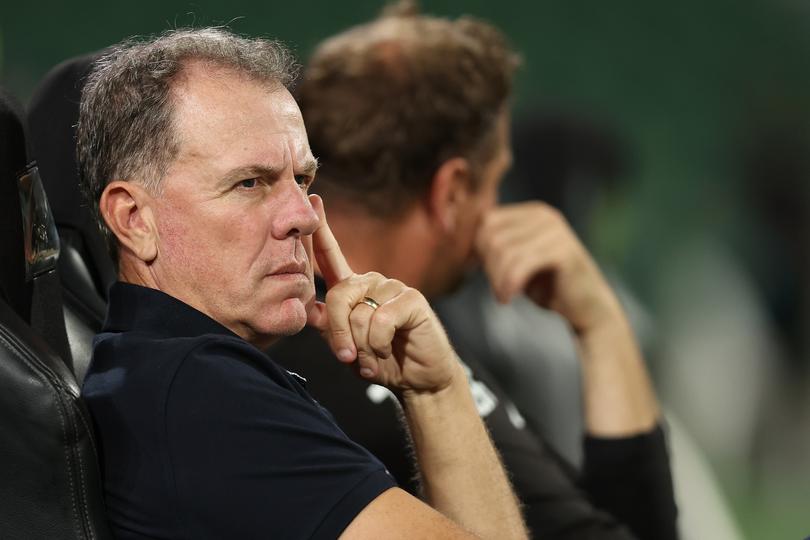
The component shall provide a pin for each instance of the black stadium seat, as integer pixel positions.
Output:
(49, 476)
(15, 290)
(85, 267)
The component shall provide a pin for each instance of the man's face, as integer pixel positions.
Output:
(458, 256)
(485, 194)
(233, 217)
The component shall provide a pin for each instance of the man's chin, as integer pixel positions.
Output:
(291, 317)
(291, 330)
(286, 319)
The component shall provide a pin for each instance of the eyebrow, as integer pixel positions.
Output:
(309, 167)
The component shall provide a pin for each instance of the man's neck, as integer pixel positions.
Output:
(400, 249)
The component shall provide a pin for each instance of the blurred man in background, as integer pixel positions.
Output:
(409, 117)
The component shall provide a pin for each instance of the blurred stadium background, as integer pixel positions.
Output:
(708, 224)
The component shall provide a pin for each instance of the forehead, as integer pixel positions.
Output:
(222, 115)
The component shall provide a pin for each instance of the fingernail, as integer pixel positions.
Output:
(366, 372)
(346, 355)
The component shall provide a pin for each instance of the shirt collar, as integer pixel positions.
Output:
(137, 308)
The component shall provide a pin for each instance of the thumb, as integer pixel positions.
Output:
(318, 318)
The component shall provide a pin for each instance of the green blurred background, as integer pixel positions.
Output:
(693, 88)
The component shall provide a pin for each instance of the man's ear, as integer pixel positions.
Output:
(126, 208)
(449, 192)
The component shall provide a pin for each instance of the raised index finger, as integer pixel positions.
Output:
(331, 262)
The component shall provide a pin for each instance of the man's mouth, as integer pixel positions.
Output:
(290, 268)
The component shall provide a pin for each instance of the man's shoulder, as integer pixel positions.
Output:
(233, 366)
(155, 358)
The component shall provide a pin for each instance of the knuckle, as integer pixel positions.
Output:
(382, 317)
(543, 209)
(396, 284)
(421, 301)
(373, 276)
(357, 318)
(410, 293)
(555, 214)
(566, 250)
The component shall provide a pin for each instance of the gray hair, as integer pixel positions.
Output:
(126, 129)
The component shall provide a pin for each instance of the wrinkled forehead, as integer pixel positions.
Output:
(219, 111)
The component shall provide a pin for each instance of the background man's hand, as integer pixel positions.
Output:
(530, 248)
(400, 344)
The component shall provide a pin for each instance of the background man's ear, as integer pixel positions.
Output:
(127, 210)
(449, 192)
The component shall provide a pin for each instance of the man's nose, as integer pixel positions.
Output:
(294, 215)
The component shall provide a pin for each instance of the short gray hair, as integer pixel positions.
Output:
(126, 129)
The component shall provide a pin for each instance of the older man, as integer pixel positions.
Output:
(409, 115)
(195, 157)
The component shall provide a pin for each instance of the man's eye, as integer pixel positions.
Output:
(248, 183)
(302, 180)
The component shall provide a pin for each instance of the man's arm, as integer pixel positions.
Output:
(400, 344)
(398, 515)
(462, 475)
(529, 248)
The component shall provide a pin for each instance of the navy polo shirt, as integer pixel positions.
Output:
(203, 436)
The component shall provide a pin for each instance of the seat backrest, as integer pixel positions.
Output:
(50, 485)
(85, 266)
(13, 286)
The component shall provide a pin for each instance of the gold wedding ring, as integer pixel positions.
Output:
(370, 302)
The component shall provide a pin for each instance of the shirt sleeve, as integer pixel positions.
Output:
(252, 456)
(630, 478)
(554, 504)
(625, 492)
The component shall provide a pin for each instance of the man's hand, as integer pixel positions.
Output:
(400, 344)
(530, 248)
